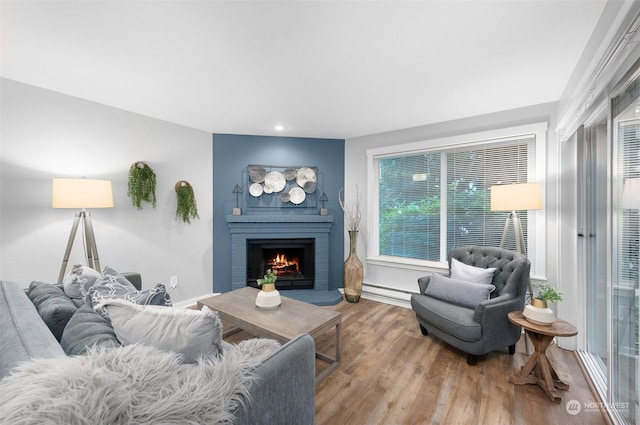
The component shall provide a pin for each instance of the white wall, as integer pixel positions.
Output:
(587, 89)
(47, 134)
(393, 284)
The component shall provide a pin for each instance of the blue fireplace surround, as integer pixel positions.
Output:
(289, 226)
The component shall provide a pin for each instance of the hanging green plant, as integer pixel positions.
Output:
(187, 207)
(142, 184)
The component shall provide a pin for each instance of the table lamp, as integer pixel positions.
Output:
(81, 194)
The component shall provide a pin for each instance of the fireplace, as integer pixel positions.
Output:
(293, 261)
(244, 228)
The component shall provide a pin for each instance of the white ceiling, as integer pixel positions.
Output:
(331, 69)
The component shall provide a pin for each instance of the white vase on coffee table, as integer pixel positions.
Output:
(269, 297)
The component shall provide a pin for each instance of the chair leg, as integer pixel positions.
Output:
(424, 330)
(472, 359)
(512, 349)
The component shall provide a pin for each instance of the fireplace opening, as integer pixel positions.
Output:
(291, 259)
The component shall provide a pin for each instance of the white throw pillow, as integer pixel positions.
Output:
(192, 333)
(462, 271)
(79, 277)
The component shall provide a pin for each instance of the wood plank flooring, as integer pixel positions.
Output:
(392, 374)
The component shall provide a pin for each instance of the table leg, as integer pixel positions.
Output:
(338, 342)
(557, 381)
(333, 362)
(546, 382)
(538, 369)
(526, 372)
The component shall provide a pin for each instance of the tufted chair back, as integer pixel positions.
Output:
(512, 274)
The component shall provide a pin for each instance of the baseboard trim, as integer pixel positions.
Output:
(370, 292)
(193, 301)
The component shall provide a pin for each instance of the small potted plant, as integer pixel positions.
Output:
(268, 282)
(538, 311)
(546, 294)
(269, 297)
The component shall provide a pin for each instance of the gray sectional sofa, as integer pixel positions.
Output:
(282, 392)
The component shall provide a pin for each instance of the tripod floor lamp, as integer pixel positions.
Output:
(81, 194)
(513, 198)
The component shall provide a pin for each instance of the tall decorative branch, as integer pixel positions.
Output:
(353, 213)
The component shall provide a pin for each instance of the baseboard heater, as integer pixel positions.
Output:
(387, 295)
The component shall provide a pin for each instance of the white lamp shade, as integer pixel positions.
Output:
(631, 194)
(516, 197)
(81, 193)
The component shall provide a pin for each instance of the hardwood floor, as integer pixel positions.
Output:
(392, 374)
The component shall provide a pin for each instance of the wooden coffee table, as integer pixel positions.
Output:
(291, 319)
(538, 370)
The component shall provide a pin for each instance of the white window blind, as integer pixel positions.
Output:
(410, 209)
(470, 173)
(421, 194)
(627, 190)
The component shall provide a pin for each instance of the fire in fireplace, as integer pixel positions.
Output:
(291, 259)
(283, 266)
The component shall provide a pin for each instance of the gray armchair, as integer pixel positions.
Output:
(486, 328)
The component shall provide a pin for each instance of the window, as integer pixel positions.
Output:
(409, 210)
(627, 187)
(432, 197)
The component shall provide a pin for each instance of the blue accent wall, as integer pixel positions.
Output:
(231, 156)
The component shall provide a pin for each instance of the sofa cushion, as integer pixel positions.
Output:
(450, 318)
(87, 329)
(80, 276)
(462, 271)
(192, 333)
(458, 292)
(53, 305)
(100, 294)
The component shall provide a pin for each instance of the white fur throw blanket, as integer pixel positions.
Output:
(131, 385)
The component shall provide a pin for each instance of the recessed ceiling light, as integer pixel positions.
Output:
(278, 127)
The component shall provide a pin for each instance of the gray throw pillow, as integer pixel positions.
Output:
(458, 292)
(86, 329)
(53, 305)
(100, 294)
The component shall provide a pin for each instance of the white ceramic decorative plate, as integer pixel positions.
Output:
(255, 189)
(296, 195)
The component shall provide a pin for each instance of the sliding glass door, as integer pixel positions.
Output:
(594, 157)
(609, 235)
(625, 258)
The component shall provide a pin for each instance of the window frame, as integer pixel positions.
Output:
(536, 171)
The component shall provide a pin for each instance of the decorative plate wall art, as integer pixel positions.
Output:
(291, 184)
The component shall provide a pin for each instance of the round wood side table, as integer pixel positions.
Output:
(538, 370)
